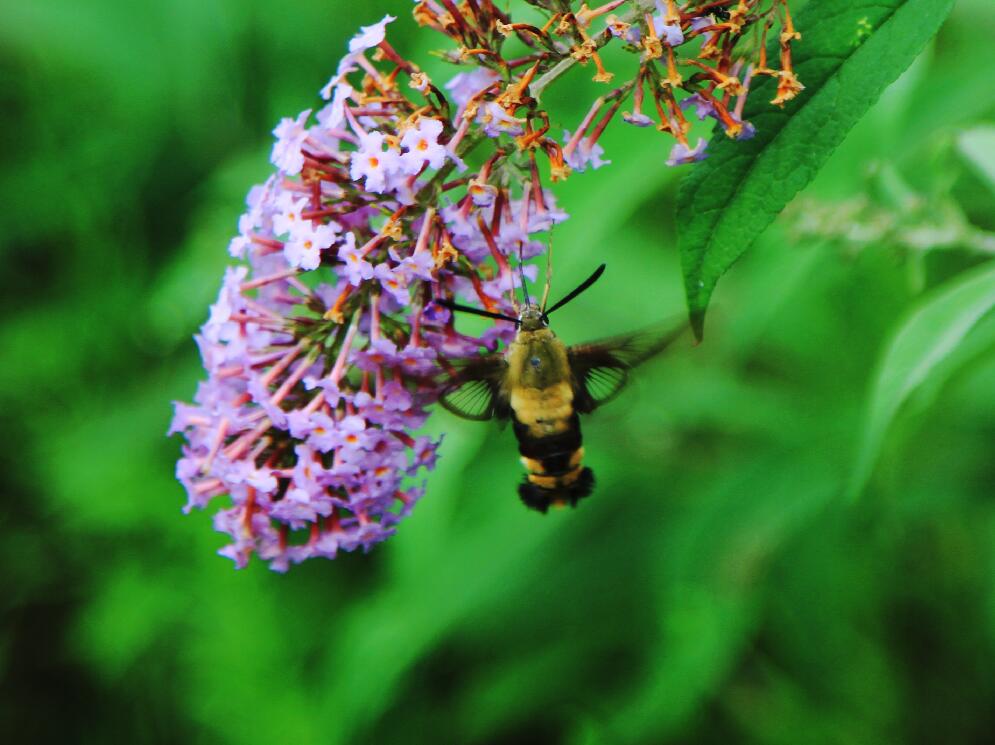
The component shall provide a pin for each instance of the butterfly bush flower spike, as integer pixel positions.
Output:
(325, 348)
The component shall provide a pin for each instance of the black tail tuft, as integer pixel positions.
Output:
(538, 498)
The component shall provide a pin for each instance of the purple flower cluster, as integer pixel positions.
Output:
(324, 348)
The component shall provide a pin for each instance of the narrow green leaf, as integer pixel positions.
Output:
(850, 51)
(977, 145)
(933, 330)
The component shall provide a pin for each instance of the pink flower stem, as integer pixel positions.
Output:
(259, 448)
(238, 448)
(293, 379)
(262, 309)
(426, 228)
(374, 316)
(741, 101)
(371, 245)
(282, 365)
(537, 195)
(499, 257)
(464, 127)
(378, 382)
(261, 281)
(315, 403)
(604, 121)
(582, 128)
(219, 439)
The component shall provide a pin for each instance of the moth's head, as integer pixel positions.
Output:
(531, 318)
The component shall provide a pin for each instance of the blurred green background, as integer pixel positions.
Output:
(718, 587)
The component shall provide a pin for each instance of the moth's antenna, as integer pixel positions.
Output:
(549, 270)
(521, 275)
(475, 311)
(580, 288)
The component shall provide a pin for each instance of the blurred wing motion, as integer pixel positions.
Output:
(474, 390)
(601, 369)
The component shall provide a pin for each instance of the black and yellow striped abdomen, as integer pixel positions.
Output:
(549, 440)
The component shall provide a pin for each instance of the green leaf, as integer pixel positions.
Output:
(849, 52)
(926, 338)
(977, 146)
(707, 598)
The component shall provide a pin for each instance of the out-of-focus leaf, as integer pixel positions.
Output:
(493, 695)
(78, 338)
(707, 596)
(978, 148)
(925, 339)
(106, 468)
(948, 95)
(850, 52)
(115, 628)
(188, 284)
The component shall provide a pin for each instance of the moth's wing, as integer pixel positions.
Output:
(598, 384)
(601, 369)
(473, 391)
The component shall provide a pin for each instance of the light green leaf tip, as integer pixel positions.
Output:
(977, 145)
(927, 336)
(849, 53)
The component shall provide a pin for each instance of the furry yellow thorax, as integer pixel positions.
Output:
(538, 384)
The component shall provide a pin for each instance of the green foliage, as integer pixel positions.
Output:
(978, 147)
(717, 587)
(851, 52)
(933, 330)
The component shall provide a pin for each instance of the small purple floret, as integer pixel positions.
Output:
(681, 153)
